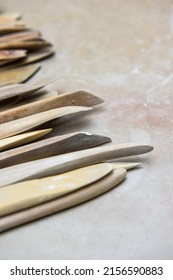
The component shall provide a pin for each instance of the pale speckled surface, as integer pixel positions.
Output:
(123, 52)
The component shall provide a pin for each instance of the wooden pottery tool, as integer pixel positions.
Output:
(126, 165)
(21, 139)
(50, 147)
(24, 195)
(70, 161)
(23, 89)
(78, 98)
(75, 198)
(18, 75)
(30, 122)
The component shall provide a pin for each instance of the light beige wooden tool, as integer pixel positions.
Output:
(126, 165)
(24, 195)
(27, 45)
(18, 75)
(9, 17)
(27, 123)
(78, 98)
(85, 194)
(12, 54)
(21, 139)
(23, 89)
(70, 161)
(51, 147)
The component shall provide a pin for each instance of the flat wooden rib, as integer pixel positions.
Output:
(73, 199)
(30, 193)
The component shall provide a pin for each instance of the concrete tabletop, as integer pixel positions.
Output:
(121, 51)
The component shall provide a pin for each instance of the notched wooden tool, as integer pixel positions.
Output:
(85, 194)
(70, 161)
(51, 147)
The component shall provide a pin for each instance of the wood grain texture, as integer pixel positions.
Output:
(70, 161)
(23, 89)
(30, 193)
(85, 194)
(21, 139)
(27, 123)
(78, 98)
(18, 75)
(51, 147)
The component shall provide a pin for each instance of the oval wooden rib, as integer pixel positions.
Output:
(23, 89)
(63, 163)
(21, 139)
(24, 195)
(78, 98)
(51, 147)
(27, 123)
(85, 194)
(18, 75)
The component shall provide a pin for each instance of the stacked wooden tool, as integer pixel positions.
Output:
(20, 45)
(41, 177)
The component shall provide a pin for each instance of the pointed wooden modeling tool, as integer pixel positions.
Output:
(27, 123)
(50, 147)
(18, 75)
(23, 89)
(78, 98)
(24, 195)
(21, 139)
(75, 198)
(70, 161)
